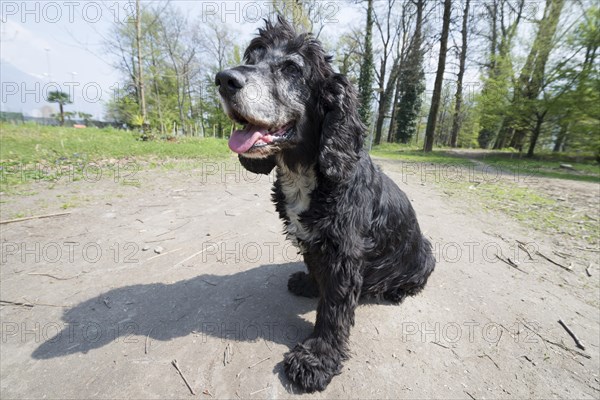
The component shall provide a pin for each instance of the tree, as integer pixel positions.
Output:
(439, 78)
(140, 68)
(61, 98)
(410, 85)
(388, 35)
(365, 80)
(456, 120)
(501, 20)
(531, 79)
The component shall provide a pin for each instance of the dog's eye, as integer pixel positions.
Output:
(290, 68)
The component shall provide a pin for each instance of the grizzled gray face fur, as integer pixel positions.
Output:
(271, 93)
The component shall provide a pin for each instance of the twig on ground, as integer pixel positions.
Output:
(260, 390)
(570, 269)
(529, 359)
(208, 282)
(227, 354)
(588, 270)
(572, 334)
(441, 345)
(29, 303)
(163, 254)
(53, 276)
(16, 303)
(256, 363)
(174, 362)
(267, 344)
(562, 346)
(491, 359)
(587, 249)
(508, 261)
(470, 395)
(159, 240)
(10, 221)
(523, 246)
(146, 343)
(209, 246)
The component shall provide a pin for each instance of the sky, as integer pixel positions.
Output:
(49, 45)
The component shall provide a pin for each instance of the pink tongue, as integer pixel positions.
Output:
(241, 140)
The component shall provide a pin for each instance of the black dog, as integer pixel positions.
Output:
(356, 229)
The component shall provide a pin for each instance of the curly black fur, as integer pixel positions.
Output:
(356, 229)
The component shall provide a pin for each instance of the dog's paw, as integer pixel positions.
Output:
(312, 364)
(302, 284)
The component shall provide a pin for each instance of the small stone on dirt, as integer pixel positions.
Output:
(158, 250)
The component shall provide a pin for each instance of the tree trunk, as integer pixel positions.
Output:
(138, 39)
(456, 122)
(560, 138)
(536, 133)
(62, 114)
(365, 80)
(391, 133)
(439, 78)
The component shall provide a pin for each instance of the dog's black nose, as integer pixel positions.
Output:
(230, 81)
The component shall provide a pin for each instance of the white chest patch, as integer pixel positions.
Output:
(297, 188)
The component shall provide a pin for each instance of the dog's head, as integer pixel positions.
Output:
(290, 103)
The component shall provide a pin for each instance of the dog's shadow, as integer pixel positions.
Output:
(245, 306)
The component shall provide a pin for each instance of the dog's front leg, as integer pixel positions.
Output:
(313, 364)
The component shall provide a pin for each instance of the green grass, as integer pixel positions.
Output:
(531, 207)
(33, 143)
(542, 165)
(413, 154)
(32, 152)
(584, 170)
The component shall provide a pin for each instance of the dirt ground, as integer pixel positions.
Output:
(91, 310)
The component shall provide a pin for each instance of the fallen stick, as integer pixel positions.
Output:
(587, 249)
(554, 262)
(174, 362)
(10, 221)
(588, 271)
(16, 303)
(260, 390)
(562, 346)
(163, 254)
(490, 358)
(523, 246)
(146, 343)
(256, 363)
(29, 304)
(53, 276)
(512, 264)
(199, 252)
(572, 334)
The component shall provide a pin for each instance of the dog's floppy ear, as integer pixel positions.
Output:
(258, 165)
(342, 131)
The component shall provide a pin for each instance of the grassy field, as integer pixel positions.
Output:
(585, 168)
(547, 165)
(33, 152)
(414, 154)
(33, 143)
